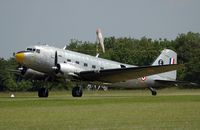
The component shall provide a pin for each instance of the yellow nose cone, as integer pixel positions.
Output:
(19, 57)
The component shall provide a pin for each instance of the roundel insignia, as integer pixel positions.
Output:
(160, 62)
(143, 78)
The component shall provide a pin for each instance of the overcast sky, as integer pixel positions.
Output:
(55, 22)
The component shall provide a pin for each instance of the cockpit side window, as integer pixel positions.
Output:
(33, 50)
(29, 49)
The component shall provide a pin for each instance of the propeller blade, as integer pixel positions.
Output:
(56, 66)
(56, 59)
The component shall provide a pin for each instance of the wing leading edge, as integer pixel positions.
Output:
(123, 74)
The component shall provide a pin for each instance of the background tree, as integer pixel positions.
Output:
(127, 50)
(188, 49)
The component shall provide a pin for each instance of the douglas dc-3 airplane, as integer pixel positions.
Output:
(47, 62)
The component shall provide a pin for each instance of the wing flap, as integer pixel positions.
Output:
(123, 74)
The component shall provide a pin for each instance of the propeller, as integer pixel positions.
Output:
(56, 66)
(21, 70)
(56, 59)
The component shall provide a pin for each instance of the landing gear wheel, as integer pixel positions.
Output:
(43, 92)
(77, 92)
(153, 91)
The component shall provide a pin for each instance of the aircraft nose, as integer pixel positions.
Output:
(19, 57)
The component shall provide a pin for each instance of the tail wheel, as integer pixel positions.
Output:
(153, 91)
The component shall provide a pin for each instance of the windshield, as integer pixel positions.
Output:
(33, 50)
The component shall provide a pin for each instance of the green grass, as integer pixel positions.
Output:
(111, 110)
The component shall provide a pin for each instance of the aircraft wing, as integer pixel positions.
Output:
(123, 74)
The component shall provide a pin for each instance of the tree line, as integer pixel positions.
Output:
(139, 52)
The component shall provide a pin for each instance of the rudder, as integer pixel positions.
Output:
(167, 57)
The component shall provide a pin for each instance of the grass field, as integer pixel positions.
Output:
(110, 110)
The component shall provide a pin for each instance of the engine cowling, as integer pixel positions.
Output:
(68, 69)
(32, 74)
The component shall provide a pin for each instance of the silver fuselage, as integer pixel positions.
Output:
(43, 57)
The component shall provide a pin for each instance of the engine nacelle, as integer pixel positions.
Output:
(32, 74)
(68, 69)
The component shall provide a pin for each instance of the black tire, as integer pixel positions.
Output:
(77, 92)
(154, 93)
(43, 92)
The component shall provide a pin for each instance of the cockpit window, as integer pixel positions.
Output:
(29, 49)
(33, 50)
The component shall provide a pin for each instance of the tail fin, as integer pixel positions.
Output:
(167, 57)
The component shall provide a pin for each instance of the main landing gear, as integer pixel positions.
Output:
(153, 91)
(43, 92)
(77, 91)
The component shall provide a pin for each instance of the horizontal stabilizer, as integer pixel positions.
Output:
(176, 82)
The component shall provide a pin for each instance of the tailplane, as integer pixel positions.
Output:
(167, 57)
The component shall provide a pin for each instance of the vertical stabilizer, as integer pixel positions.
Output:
(167, 57)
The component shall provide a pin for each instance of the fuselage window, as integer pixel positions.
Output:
(38, 50)
(85, 64)
(77, 62)
(93, 66)
(68, 60)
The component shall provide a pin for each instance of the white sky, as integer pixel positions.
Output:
(55, 22)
